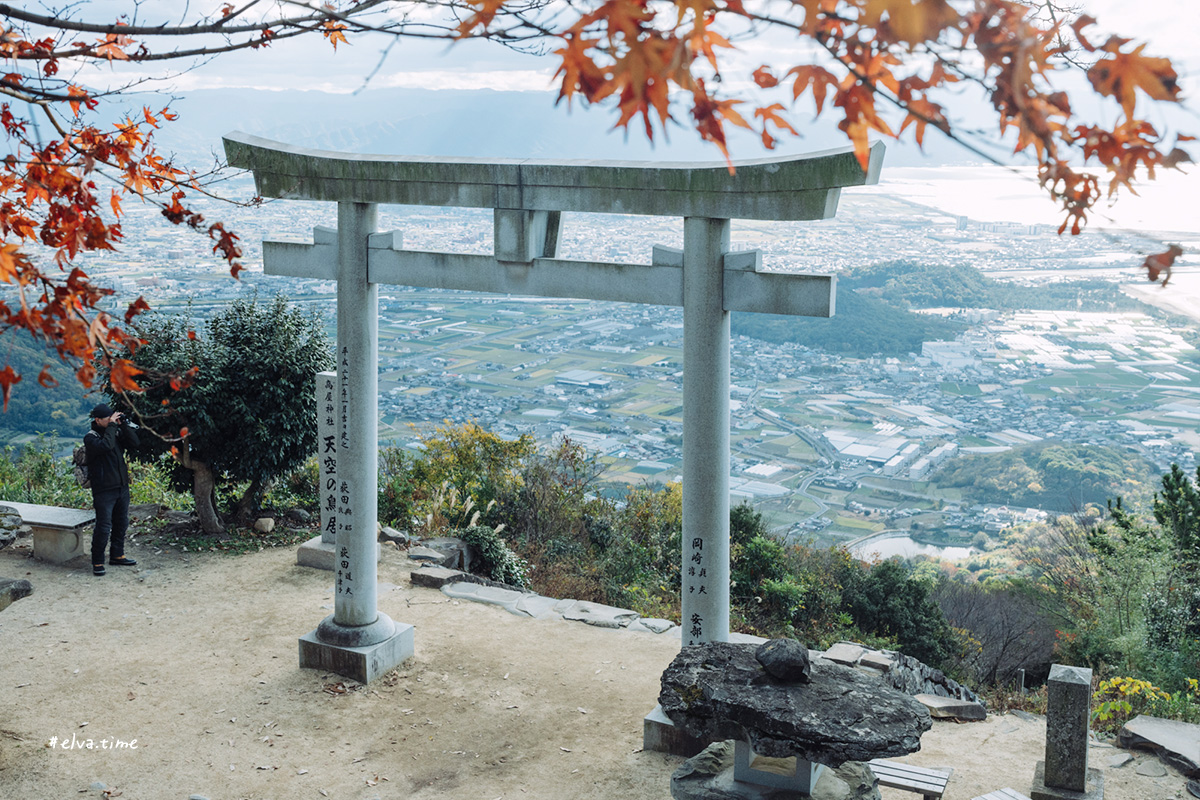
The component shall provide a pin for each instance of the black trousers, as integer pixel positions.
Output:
(112, 518)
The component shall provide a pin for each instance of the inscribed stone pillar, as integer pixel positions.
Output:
(1068, 706)
(1065, 774)
(327, 454)
(705, 600)
(357, 640)
(358, 444)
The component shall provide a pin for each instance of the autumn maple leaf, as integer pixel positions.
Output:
(122, 376)
(1122, 74)
(8, 377)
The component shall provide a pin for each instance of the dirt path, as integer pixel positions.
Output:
(195, 658)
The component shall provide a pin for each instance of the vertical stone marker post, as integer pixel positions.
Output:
(319, 552)
(1064, 775)
(704, 612)
(527, 200)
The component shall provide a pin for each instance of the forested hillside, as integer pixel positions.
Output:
(40, 409)
(1057, 477)
(863, 326)
(908, 284)
(873, 303)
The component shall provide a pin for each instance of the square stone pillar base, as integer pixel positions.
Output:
(659, 735)
(319, 555)
(363, 664)
(1040, 791)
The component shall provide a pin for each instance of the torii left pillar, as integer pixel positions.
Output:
(357, 641)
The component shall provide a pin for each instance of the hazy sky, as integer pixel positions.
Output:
(1170, 26)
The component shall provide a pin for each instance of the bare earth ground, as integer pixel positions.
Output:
(195, 657)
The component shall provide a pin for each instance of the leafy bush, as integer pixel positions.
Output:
(496, 559)
(397, 491)
(887, 600)
(1118, 700)
(300, 488)
(476, 462)
(37, 475)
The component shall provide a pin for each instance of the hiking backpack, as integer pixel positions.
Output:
(79, 460)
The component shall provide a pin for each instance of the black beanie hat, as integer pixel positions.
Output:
(101, 411)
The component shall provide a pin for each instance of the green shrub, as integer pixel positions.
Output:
(300, 488)
(396, 488)
(496, 559)
(37, 475)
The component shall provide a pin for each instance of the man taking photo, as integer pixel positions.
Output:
(105, 444)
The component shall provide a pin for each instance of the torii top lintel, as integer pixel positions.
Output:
(789, 188)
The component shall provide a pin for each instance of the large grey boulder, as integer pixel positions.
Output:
(720, 691)
(785, 659)
(454, 552)
(10, 525)
(11, 591)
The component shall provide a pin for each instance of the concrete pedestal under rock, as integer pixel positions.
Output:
(710, 776)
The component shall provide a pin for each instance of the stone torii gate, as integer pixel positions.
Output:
(705, 279)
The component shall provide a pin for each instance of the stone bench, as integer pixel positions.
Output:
(930, 783)
(1002, 794)
(58, 533)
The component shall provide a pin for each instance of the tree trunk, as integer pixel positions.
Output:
(203, 492)
(249, 500)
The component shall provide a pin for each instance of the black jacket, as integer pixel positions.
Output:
(106, 455)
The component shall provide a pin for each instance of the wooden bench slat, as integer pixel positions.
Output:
(930, 783)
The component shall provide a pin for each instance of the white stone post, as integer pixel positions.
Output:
(705, 600)
(356, 640)
(358, 445)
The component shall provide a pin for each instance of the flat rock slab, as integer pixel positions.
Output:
(418, 553)
(876, 660)
(719, 691)
(652, 624)
(601, 616)
(1116, 762)
(1177, 743)
(845, 653)
(949, 708)
(457, 553)
(492, 595)
(1151, 769)
(537, 606)
(13, 590)
(709, 776)
(432, 577)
